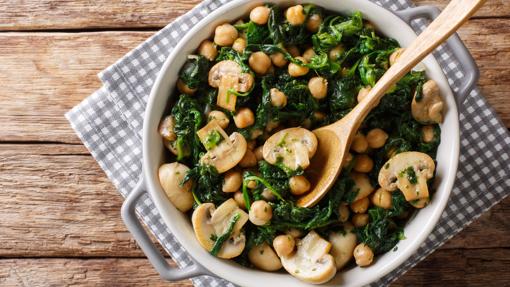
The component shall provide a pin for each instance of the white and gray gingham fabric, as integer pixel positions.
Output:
(109, 123)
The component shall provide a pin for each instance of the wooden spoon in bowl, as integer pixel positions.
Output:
(335, 139)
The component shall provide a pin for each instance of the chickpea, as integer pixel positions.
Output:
(239, 45)
(251, 184)
(299, 184)
(296, 70)
(363, 163)
(225, 35)
(295, 15)
(382, 198)
(309, 54)
(395, 55)
(259, 62)
(376, 138)
(251, 144)
(256, 133)
(278, 98)
(268, 195)
(360, 220)
(361, 205)
(336, 52)
(363, 255)
(220, 117)
(284, 245)
(343, 212)
(271, 125)
(248, 160)
(296, 233)
(313, 23)
(427, 133)
(208, 50)
(238, 197)
(359, 143)
(278, 59)
(363, 93)
(244, 118)
(348, 159)
(232, 181)
(293, 51)
(260, 212)
(183, 88)
(319, 116)
(318, 87)
(258, 153)
(259, 15)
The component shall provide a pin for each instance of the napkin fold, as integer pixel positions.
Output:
(109, 122)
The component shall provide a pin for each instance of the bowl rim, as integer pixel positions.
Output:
(151, 185)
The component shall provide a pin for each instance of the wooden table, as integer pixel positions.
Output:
(59, 214)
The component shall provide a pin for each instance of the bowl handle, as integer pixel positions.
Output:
(470, 70)
(157, 260)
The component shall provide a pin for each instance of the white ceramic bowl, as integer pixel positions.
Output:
(416, 230)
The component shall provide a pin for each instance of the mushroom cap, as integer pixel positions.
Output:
(311, 262)
(166, 128)
(264, 257)
(229, 67)
(293, 147)
(209, 222)
(342, 247)
(170, 178)
(395, 174)
(362, 183)
(429, 108)
(226, 154)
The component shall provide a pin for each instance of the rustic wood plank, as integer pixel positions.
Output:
(57, 202)
(81, 272)
(61, 14)
(475, 267)
(46, 81)
(472, 267)
(43, 75)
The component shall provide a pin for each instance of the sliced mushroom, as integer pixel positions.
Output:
(228, 76)
(292, 147)
(226, 154)
(311, 262)
(427, 107)
(420, 203)
(166, 128)
(264, 257)
(409, 172)
(170, 178)
(362, 185)
(342, 247)
(210, 223)
(209, 132)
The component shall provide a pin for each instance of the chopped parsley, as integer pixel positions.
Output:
(411, 175)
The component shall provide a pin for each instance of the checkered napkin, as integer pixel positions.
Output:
(109, 123)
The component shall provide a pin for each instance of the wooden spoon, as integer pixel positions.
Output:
(335, 139)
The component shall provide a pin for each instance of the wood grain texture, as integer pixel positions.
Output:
(43, 75)
(63, 14)
(49, 80)
(81, 272)
(57, 202)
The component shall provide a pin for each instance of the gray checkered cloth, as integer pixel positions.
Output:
(109, 123)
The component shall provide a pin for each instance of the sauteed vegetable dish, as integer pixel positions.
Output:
(240, 139)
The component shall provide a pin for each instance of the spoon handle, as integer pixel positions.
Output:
(452, 17)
